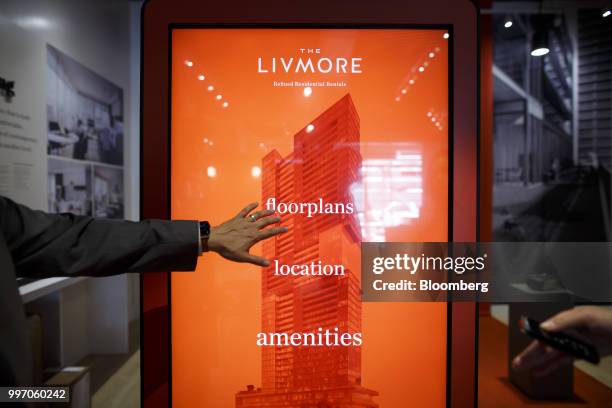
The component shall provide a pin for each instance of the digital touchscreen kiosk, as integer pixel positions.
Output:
(344, 133)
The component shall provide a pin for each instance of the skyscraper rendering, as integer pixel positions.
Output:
(324, 164)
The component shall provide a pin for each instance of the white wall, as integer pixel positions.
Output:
(98, 34)
(103, 35)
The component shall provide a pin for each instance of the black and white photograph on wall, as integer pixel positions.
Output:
(84, 112)
(108, 191)
(69, 186)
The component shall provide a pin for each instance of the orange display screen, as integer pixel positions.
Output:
(344, 132)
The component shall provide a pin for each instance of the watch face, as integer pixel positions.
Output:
(204, 229)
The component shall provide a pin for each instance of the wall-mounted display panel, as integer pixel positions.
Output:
(345, 133)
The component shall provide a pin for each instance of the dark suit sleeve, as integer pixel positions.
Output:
(44, 245)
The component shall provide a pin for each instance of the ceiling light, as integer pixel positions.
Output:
(255, 171)
(307, 91)
(539, 39)
(539, 52)
(201, 77)
(189, 63)
(508, 23)
(539, 43)
(606, 12)
(309, 128)
(210, 88)
(219, 97)
(211, 171)
(445, 36)
(33, 22)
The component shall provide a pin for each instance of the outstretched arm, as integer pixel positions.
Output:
(44, 245)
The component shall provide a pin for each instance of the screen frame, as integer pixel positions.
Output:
(450, 136)
(158, 19)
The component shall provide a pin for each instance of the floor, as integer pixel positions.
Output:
(123, 388)
(115, 378)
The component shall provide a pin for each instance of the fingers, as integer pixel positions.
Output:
(569, 319)
(267, 221)
(540, 359)
(270, 232)
(246, 210)
(526, 358)
(553, 365)
(261, 214)
(255, 260)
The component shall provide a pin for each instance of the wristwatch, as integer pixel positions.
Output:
(204, 235)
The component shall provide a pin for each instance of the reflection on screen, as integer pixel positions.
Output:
(390, 193)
